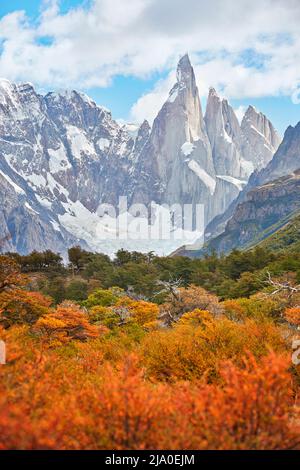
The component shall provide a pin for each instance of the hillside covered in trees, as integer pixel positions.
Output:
(143, 352)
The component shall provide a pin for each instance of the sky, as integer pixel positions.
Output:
(123, 53)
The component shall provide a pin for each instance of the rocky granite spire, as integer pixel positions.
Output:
(260, 139)
(179, 161)
(224, 135)
(185, 94)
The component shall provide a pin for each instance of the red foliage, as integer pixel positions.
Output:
(58, 406)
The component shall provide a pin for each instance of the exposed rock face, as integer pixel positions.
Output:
(225, 136)
(61, 156)
(237, 150)
(259, 138)
(177, 160)
(285, 162)
(25, 224)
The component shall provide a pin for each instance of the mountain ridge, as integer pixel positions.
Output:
(63, 155)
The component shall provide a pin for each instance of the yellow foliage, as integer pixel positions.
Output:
(257, 306)
(67, 322)
(141, 312)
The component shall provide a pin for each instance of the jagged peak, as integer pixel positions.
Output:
(252, 114)
(252, 111)
(213, 98)
(145, 125)
(69, 95)
(212, 92)
(184, 62)
(7, 85)
(25, 88)
(291, 131)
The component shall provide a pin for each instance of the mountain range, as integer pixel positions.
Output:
(62, 155)
(271, 197)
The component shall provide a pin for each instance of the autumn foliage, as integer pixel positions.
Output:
(293, 315)
(67, 322)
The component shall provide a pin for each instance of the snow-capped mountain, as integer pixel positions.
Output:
(285, 162)
(61, 155)
(269, 199)
(237, 150)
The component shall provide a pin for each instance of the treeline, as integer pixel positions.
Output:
(240, 274)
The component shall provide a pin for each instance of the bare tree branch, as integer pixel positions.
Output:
(281, 286)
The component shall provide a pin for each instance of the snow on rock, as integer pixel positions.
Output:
(247, 166)
(36, 180)
(44, 202)
(80, 145)
(55, 225)
(55, 185)
(12, 183)
(103, 144)
(58, 160)
(59, 145)
(30, 208)
(187, 148)
(227, 137)
(257, 131)
(209, 182)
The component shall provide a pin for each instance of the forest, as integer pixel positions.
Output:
(148, 352)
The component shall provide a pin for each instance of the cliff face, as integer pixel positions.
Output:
(286, 160)
(259, 139)
(194, 159)
(265, 209)
(178, 159)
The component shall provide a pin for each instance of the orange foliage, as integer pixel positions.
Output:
(209, 382)
(67, 322)
(199, 343)
(63, 404)
(18, 306)
(125, 310)
(251, 411)
(139, 311)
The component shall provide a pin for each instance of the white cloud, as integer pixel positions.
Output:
(147, 106)
(89, 46)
